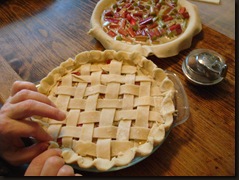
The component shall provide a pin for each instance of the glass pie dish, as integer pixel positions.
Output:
(182, 114)
(120, 107)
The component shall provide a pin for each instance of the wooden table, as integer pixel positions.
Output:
(218, 16)
(36, 36)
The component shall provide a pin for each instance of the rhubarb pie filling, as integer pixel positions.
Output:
(119, 106)
(145, 21)
(150, 27)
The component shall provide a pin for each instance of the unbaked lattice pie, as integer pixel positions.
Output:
(119, 105)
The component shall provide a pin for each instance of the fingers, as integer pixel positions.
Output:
(26, 154)
(36, 166)
(49, 163)
(52, 166)
(19, 85)
(55, 166)
(27, 129)
(66, 170)
(16, 129)
(31, 107)
(26, 102)
(25, 94)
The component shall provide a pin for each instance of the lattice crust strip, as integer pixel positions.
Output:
(118, 106)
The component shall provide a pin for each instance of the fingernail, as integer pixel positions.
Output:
(58, 151)
(52, 104)
(78, 174)
(61, 115)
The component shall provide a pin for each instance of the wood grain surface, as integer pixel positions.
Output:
(36, 36)
(218, 16)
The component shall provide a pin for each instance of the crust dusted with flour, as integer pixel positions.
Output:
(171, 48)
(119, 105)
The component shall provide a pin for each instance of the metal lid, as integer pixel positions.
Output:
(204, 67)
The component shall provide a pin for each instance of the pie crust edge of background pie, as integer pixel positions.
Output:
(168, 49)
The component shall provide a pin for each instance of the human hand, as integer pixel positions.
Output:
(49, 163)
(23, 103)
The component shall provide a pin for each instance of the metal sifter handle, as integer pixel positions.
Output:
(210, 65)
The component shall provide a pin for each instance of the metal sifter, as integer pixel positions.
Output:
(204, 67)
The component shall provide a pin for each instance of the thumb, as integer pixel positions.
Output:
(25, 155)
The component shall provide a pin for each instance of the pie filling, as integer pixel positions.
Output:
(119, 105)
(146, 22)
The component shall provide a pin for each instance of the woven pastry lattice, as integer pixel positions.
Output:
(115, 109)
